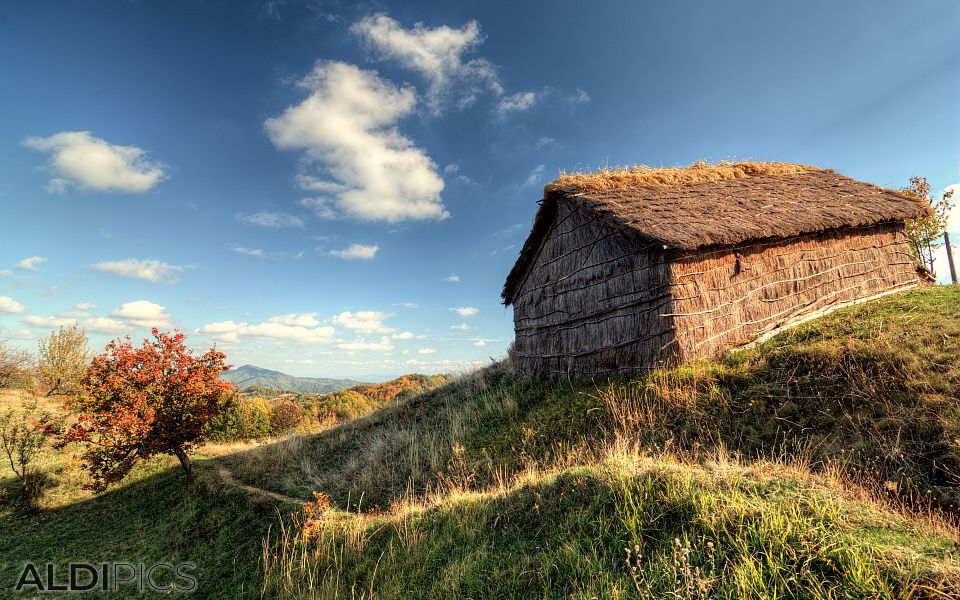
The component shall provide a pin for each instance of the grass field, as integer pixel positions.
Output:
(821, 464)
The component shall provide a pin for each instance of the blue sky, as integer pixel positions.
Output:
(336, 189)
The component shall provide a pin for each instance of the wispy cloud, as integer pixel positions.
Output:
(273, 220)
(438, 54)
(154, 271)
(347, 124)
(453, 278)
(79, 159)
(518, 102)
(32, 263)
(248, 251)
(276, 328)
(535, 176)
(357, 252)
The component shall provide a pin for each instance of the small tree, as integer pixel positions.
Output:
(63, 356)
(925, 233)
(285, 416)
(139, 402)
(14, 367)
(22, 435)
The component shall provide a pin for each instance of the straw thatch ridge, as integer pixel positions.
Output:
(716, 205)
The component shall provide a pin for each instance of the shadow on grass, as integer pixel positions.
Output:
(156, 517)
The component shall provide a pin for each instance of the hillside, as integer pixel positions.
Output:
(820, 464)
(809, 466)
(248, 376)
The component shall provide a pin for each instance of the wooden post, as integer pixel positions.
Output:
(953, 269)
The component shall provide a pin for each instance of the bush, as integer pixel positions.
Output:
(244, 419)
(285, 416)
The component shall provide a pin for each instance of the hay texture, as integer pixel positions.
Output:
(630, 270)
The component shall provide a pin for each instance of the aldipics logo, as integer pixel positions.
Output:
(161, 577)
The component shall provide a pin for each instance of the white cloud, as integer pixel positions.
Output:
(427, 351)
(480, 342)
(545, 141)
(79, 159)
(278, 328)
(370, 321)
(154, 271)
(143, 313)
(466, 311)
(9, 305)
(348, 125)
(454, 278)
(30, 264)
(518, 102)
(296, 319)
(273, 220)
(407, 305)
(248, 251)
(405, 335)
(437, 54)
(940, 263)
(49, 322)
(21, 334)
(535, 177)
(357, 252)
(85, 306)
(383, 345)
(461, 327)
(106, 325)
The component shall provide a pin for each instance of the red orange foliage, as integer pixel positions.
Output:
(139, 402)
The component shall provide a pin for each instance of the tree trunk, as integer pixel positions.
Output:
(186, 464)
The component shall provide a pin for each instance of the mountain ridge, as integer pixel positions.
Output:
(248, 376)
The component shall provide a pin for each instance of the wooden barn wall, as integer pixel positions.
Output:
(726, 297)
(592, 302)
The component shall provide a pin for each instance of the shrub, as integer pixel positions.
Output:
(284, 416)
(243, 419)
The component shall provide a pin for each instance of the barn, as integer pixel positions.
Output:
(629, 270)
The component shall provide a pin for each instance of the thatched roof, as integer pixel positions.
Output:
(717, 205)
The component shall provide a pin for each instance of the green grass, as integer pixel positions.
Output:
(818, 465)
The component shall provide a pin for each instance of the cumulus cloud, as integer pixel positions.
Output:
(466, 311)
(518, 102)
(31, 264)
(143, 313)
(86, 162)
(277, 328)
(357, 252)
(480, 342)
(437, 54)
(427, 351)
(296, 319)
(106, 325)
(9, 305)
(405, 335)
(49, 322)
(347, 125)
(273, 220)
(154, 271)
(368, 321)
(383, 345)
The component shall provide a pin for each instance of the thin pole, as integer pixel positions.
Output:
(953, 269)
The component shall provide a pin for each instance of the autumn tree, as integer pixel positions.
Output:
(15, 366)
(140, 402)
(63, 356)
(925, 233)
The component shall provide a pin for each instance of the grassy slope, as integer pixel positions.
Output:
(867, 396)
(492, 486)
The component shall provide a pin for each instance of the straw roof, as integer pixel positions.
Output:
(717, 205)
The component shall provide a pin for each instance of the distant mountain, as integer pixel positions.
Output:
(249, 376)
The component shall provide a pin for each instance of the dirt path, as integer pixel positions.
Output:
(228, 479)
